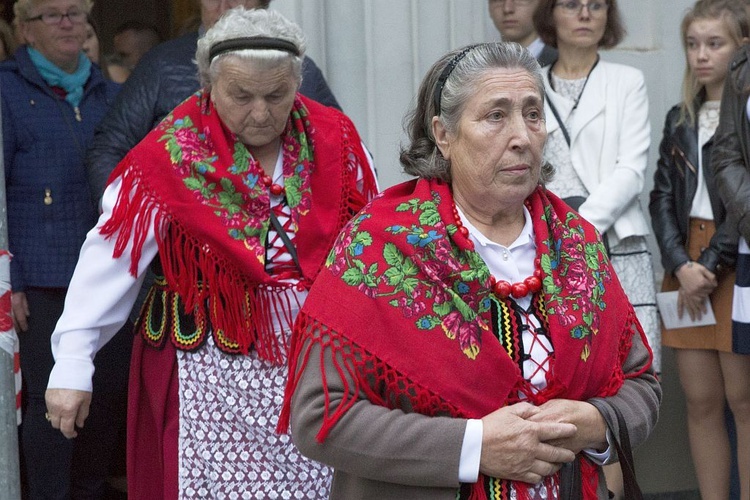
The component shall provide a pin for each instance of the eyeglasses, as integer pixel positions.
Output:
(517, 3)
(574, 7)
(52, 18)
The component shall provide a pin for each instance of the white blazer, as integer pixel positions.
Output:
(609, 136)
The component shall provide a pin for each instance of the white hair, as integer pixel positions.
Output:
(243, 23)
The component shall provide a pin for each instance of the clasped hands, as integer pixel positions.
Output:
(522, 442)
(696, 284)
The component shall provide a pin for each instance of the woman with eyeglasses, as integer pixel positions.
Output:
(52, 98)
(599, 135)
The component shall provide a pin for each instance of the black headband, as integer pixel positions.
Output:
(252, 42)
(447, 70)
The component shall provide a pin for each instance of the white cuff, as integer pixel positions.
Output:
(600, 457)
(471, 452)
(72, 374)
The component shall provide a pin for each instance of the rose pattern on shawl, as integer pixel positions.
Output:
(244, 216)
(298, 154)
(400, 277)
(581, 274)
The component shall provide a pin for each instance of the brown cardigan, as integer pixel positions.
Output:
(385, 454)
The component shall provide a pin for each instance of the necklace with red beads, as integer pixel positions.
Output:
(502, 288)
(275, 189)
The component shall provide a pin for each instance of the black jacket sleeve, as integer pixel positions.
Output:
(662, 205)
(127, 122)
(314, 85)
(731, 144)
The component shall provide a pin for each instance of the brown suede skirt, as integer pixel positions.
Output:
(716, 337)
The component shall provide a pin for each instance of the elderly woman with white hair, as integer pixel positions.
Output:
(240, 193)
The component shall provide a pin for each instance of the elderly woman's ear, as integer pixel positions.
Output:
(440, 134)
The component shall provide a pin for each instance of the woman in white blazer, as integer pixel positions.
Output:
(598, 139)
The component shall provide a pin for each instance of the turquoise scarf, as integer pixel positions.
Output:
(72, 83)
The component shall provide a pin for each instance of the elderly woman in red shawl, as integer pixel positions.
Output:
(240, 192)
(468, 337)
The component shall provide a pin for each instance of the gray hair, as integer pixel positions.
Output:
(421, 157)
(243, 23)
(22, 8)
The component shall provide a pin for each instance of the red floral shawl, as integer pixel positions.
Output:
(200, 188)
(404, 301)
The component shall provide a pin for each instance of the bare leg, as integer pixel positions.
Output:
(736, 370)
(702, 382)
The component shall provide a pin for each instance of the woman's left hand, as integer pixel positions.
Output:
(592, 428)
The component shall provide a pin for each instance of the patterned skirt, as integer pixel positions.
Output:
(202, 424)
(633, 264)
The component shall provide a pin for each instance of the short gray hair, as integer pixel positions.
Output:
(22, 8)
(421, 157)
(243, 23)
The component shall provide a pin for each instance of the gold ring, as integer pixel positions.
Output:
(46, 415)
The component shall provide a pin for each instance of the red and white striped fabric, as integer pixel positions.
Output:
(8, 337)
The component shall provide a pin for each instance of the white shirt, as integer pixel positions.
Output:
(513, 264)
(536, 47)
(708, 120)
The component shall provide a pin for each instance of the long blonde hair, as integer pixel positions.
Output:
(734, 17)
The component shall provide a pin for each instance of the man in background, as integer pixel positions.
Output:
(133, 39)
(513, 19)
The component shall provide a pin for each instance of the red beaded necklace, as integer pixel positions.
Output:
(275, 189)
(502, 288)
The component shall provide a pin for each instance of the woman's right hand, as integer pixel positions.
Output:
(516, 448)
(696, 284)
(67, 409)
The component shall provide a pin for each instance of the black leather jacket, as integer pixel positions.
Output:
(675, 184)
(163, 78)
(731, 155)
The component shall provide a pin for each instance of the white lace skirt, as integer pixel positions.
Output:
(635, 269)
(228, 447)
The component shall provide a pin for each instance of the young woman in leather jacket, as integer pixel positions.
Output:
(698, 237)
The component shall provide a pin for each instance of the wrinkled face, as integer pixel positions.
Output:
(62, 42)
(513, 19)
(211, 10)
(253, 99)
(710, 48)
(496, 152)
(91, 44)
(580, 26)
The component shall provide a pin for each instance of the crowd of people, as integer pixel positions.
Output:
(201, 256)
